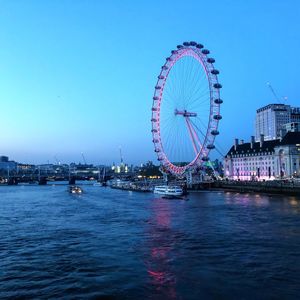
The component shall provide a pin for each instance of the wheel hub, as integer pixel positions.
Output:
(185, 113)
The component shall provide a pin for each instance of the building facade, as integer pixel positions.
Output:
(270, 120)
(295, 114)
(293, 127)
(7, 165)
(264, 160)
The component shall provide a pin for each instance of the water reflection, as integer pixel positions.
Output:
(286, 204)
(111, 244)
(294, 201)
(261, 200)
(246, 199)
(160, 245)
(294, 205)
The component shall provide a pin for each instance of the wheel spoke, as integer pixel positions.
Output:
(192, 136)
(183, 102)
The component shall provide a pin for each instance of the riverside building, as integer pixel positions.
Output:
(271, 119)
(265, 159)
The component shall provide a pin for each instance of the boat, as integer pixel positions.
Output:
(74, 189)
(168, 191)
(101, 181)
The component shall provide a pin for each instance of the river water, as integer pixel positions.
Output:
(112, 244)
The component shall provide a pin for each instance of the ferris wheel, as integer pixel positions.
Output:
(186, 109)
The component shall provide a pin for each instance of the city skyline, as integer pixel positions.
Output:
(79, 76)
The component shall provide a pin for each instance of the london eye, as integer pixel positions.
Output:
(186, 109)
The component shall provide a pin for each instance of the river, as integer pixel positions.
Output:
(113, 244)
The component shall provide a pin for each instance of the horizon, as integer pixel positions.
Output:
(78, 77)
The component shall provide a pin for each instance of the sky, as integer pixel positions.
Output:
(78, 76)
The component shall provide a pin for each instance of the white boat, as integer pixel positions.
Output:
(75, 190)
(169, 191)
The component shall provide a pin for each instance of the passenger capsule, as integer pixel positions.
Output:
(157, 150)
(153, 120)
(161, 77)
(155, 140)
(179, 46)
(210, 60)
(174, 51)
(215, 72)
(214, 132)
(205, 51)
(217, 85)
(211, 146)
(199, 46)
(169, 59)
(154, 130)
(217, 117)
(155, 98)
(165, 67)
(154, 109)
(218, 101)
(186, 44)
(192, 43)
(158, 87)
(205, 158)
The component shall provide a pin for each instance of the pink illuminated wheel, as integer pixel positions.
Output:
(186, 109)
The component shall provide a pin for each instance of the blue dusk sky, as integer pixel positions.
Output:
(79, 76)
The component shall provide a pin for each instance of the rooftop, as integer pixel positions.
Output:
(291, 138)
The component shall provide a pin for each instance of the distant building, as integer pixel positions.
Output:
(122, 168)
(26, 168)
(264, 160)
(3, 158)
(7, 165)
(270, 120)
(46, 167)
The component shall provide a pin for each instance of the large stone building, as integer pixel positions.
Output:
(264, 160)
(271, 119)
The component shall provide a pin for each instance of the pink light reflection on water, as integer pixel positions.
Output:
(158, 263)
(246, 199)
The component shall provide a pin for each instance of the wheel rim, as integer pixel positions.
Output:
(186, 92)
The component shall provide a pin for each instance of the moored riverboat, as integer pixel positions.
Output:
(169, 191)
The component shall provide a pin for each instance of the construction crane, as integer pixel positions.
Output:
(275, 95)
(83, 158)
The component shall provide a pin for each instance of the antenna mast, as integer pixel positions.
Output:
(83, 158)
(121, 157)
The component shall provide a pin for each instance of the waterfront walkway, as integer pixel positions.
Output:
(288, 187)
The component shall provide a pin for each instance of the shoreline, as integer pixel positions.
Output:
(273, 188)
